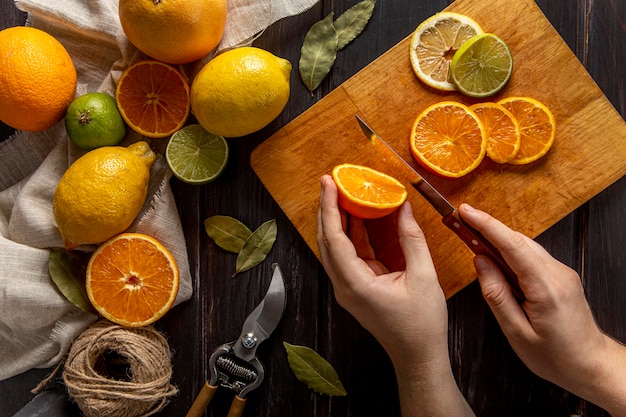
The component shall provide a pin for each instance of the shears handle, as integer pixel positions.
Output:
(204, 398)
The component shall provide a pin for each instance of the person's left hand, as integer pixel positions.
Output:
(405, 310)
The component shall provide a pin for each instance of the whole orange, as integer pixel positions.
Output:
(37, 81)
(174, 31)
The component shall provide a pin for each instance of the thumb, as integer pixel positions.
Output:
(413, 243)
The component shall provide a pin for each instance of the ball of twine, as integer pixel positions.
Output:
(143, 353)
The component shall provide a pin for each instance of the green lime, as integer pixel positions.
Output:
(196, 156)
(92, 120)
(482, 66)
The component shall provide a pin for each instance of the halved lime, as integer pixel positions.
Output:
(196, 156)
(482, 66)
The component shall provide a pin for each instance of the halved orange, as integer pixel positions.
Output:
(537, 128)
(448, 139)
(153, 98)
(367, 193)
(434, 43)
(501, 129)
(132, 279)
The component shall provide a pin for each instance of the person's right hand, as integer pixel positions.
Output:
(553, 330)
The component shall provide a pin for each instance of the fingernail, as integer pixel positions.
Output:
(469, 208)
(406, 207)
(481, 265)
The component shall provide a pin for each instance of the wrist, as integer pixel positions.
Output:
(607, 385)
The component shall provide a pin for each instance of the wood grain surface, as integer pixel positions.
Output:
(496, 383)
(389, 96)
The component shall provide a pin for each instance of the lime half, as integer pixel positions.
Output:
(196, 156)
(482, 66)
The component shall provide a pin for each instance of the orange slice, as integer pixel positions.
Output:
(367, 193)
(434, 44)
(537, 128)
(132, 279)
(448, 139)
(501, 129)
(153, 98)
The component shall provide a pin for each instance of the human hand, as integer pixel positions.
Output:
(405, 310)
(553, 330)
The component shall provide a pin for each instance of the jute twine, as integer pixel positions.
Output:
(142, 352)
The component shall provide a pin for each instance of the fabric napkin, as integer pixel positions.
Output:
(37, 323)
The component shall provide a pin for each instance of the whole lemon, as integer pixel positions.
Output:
(174, 31)
(240, 91)
(101, 193)
(37, 81)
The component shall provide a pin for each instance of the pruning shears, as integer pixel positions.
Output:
(234, 365)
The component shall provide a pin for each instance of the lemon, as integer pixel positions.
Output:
(101, 193)
(240, 91)
(434, 43)
(196, 156)
(92, 120)
(482, 66)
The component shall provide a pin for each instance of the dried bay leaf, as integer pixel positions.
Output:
(352, 22)
(68, 272)
(256, 247)
(313, 370)
(318, 52)
(228, 233)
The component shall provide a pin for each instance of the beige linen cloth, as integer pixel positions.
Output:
(37, 324)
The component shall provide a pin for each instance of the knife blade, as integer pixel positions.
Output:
(451, 218)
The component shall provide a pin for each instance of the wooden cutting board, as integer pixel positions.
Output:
(588, 155)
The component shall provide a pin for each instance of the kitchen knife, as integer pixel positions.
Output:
(474, 240)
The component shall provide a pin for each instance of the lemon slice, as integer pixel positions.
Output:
(482, 66)
(435, 42)
(196, 156)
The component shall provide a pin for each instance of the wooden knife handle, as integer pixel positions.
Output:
(202, 400)
(478, 244)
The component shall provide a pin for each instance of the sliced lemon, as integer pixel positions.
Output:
(434, 44)
(482, 66)
(196, 156)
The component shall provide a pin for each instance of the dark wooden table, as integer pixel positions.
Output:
(494, 380)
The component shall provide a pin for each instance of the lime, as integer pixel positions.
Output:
(196, 156)
(482, 66)
(92, 120)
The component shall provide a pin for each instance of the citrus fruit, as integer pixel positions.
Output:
(196, 156)
(367, 193)
(482, 66)
(240, 91)
(434, 43)
(537, 128)
(132, 279)
(37, 81)
(501, 129)
(173, 31)
(92, 120)
(448, 139)
(101, 193)
(153, 98)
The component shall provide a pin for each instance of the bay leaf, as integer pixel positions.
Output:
(352, 22)
(228, 233)
(256, 247)
(68, 272)
(313, 370)
(318, 53)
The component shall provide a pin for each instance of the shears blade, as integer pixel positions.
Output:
(262, 321)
